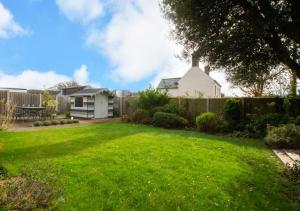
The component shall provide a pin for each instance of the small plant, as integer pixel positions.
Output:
(55, 122)
(140, 116)
(37, 124)
(293, 173)
(208, 122)
(47, 123)
(69, 121)
(285, 136)
(62, 122)
(75, 121)
(167, 120)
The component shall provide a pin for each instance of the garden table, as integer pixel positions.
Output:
(28, 111)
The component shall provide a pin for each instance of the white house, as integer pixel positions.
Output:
(194, 84)
(92, 104)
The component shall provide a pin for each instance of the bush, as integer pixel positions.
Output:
(140, 116)
(297, 121)
(208, 122)
(47, 123)
(37, 124)
(285, 136)
(233, 112)
(55, 122)
(69, 121)
(168, 120)
(151, 98)
(257, 125)
(62, 122)
(3, 172)
(75, 121)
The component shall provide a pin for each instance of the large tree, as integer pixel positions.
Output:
(232, 33)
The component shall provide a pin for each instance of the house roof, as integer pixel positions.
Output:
(168, 83)
(85, 92)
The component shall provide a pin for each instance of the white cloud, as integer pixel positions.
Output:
(136, 41)
(81, 75)
(83, 11)
(138, 44)
(8, 27)
(34, 79)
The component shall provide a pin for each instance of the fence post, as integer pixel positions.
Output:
(243, 107)
(7, 97)
(207, 104)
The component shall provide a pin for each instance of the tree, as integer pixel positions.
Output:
(260, 80)
(64, 84)
(232, 33)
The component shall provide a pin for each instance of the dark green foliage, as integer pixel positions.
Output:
(208, 122)
(47, 123)
(293, 173)
(285, 136)
(238, 34)
(297, 121)
(256, 127)
(62, 122)
(168, 120)
(233, 112)
(68, 114)
(140, 116)
(151, 98)
(55, 122)
(37, 123)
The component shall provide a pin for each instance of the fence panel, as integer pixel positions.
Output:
(3, 98)
(63, 103)
(20, 99)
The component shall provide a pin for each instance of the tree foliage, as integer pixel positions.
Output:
(236, 33)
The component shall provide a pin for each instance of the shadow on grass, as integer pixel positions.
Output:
(64, 148)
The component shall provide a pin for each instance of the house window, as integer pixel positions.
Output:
(78, 101)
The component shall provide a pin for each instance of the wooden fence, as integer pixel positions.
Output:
(195, 107)
(20, 99)
(63, 103)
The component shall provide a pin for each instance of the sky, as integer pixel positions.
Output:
(106, 43)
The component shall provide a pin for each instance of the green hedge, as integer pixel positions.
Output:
(54, 122)
(168, 120)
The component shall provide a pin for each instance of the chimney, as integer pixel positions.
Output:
(207, 69)
(195, 61)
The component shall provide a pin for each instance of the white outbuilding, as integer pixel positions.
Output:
(92, 104)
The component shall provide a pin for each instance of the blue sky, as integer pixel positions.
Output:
(113, 44)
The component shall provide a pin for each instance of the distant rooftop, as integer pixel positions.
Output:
(91, 91)
(168, 83)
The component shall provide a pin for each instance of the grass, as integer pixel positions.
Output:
(132, 167)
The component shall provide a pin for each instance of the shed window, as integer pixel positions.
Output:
(78, 101)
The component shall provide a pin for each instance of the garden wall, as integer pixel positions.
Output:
(197, 106)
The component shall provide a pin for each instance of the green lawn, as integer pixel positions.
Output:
(132, 167)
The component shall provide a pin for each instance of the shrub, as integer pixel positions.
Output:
(208, 122)
(257, 125)
(62, 122)
(47, 123)
(285, 136)
(69, 121)
(233, 112)
(68, 114)
(3, 172)
(140, 116)
(37, 124)
(168, 120)
(151, 98)
(55, 122)
(297, 121)
(75, 121)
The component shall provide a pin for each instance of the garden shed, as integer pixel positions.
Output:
(91, 104)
